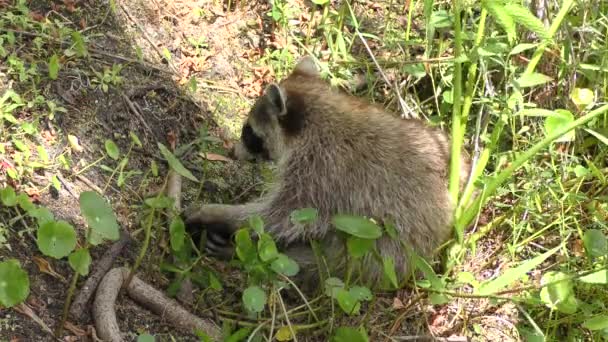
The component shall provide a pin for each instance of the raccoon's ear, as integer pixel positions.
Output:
(307, 66)
(275, 96)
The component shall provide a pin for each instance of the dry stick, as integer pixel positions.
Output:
(137, 113)
(90, 184)
(404, 107)
(101, 268)
(147, 296)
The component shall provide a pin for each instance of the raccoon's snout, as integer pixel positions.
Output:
(231, 154)
(239, 152)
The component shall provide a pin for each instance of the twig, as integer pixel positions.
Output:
(404, 107)
(26, 310)
(145, 35)
(293, 334)
(67, 185)
(137, 113)
(101, 268)
(90, 184)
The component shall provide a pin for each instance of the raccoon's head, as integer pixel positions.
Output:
(276, 115)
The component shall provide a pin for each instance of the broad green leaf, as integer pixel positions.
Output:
(596, 323)
(254, 299)
(41, 215)
(582, 96)
(177, 232)
(192, 84)
(214, 282)
(14, 283)
(558, 296)
(154, 168)
(422, 265)
(257, 224)
(595, 243)
(283, 334)
(285, 265)
(467, 278)
(599, 136)
(497, 10)
(166, 53)
(599, 277)
(175, 163)
(532, 79)
(99, 215)
(240, 335)
(56, 239)
(522, 15)
(112, 149)
(303, 216)
(320, 2)
(513, 274)
(20, 145)
(580, 171)
(559, 119)
(358, 247)
(79, 45)
(391, 229)
(53, 67)
(519, 48)
(245, 249)
(159, 202)
(361, 293)
(135, 139)
(267, 248)
(448, 96)
(441, 19)
(347, 334)
(8, 197)
(145, 338)
(42, 154)
(56, 183)
(388, 266)
(24, 203)
(357, 226)
(332, 286)
(80, 260)
(349, 304)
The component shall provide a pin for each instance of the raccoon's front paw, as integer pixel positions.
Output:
(218, 240)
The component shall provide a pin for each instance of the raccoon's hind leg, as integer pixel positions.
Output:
(219, 222)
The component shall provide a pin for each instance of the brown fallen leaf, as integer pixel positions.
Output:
(215, 157)
(26, 310)
(397, 304)
(45, 267)
(75, 329)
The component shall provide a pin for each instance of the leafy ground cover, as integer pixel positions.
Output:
(99, 99)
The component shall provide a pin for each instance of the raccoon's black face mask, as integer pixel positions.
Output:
(252, 146)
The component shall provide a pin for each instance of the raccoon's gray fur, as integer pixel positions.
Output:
(338, 154)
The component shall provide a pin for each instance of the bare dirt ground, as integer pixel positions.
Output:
(152, 103)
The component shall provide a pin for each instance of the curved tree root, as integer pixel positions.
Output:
(101, 268)
(147, 296)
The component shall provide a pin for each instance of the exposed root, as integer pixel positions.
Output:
(103, 306)
(101, 268)
(147, 296)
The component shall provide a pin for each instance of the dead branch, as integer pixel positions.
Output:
(100, 269)
(147, 296)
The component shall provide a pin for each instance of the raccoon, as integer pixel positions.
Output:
(340, 155)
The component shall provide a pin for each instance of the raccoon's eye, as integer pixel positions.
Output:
(253, 142)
